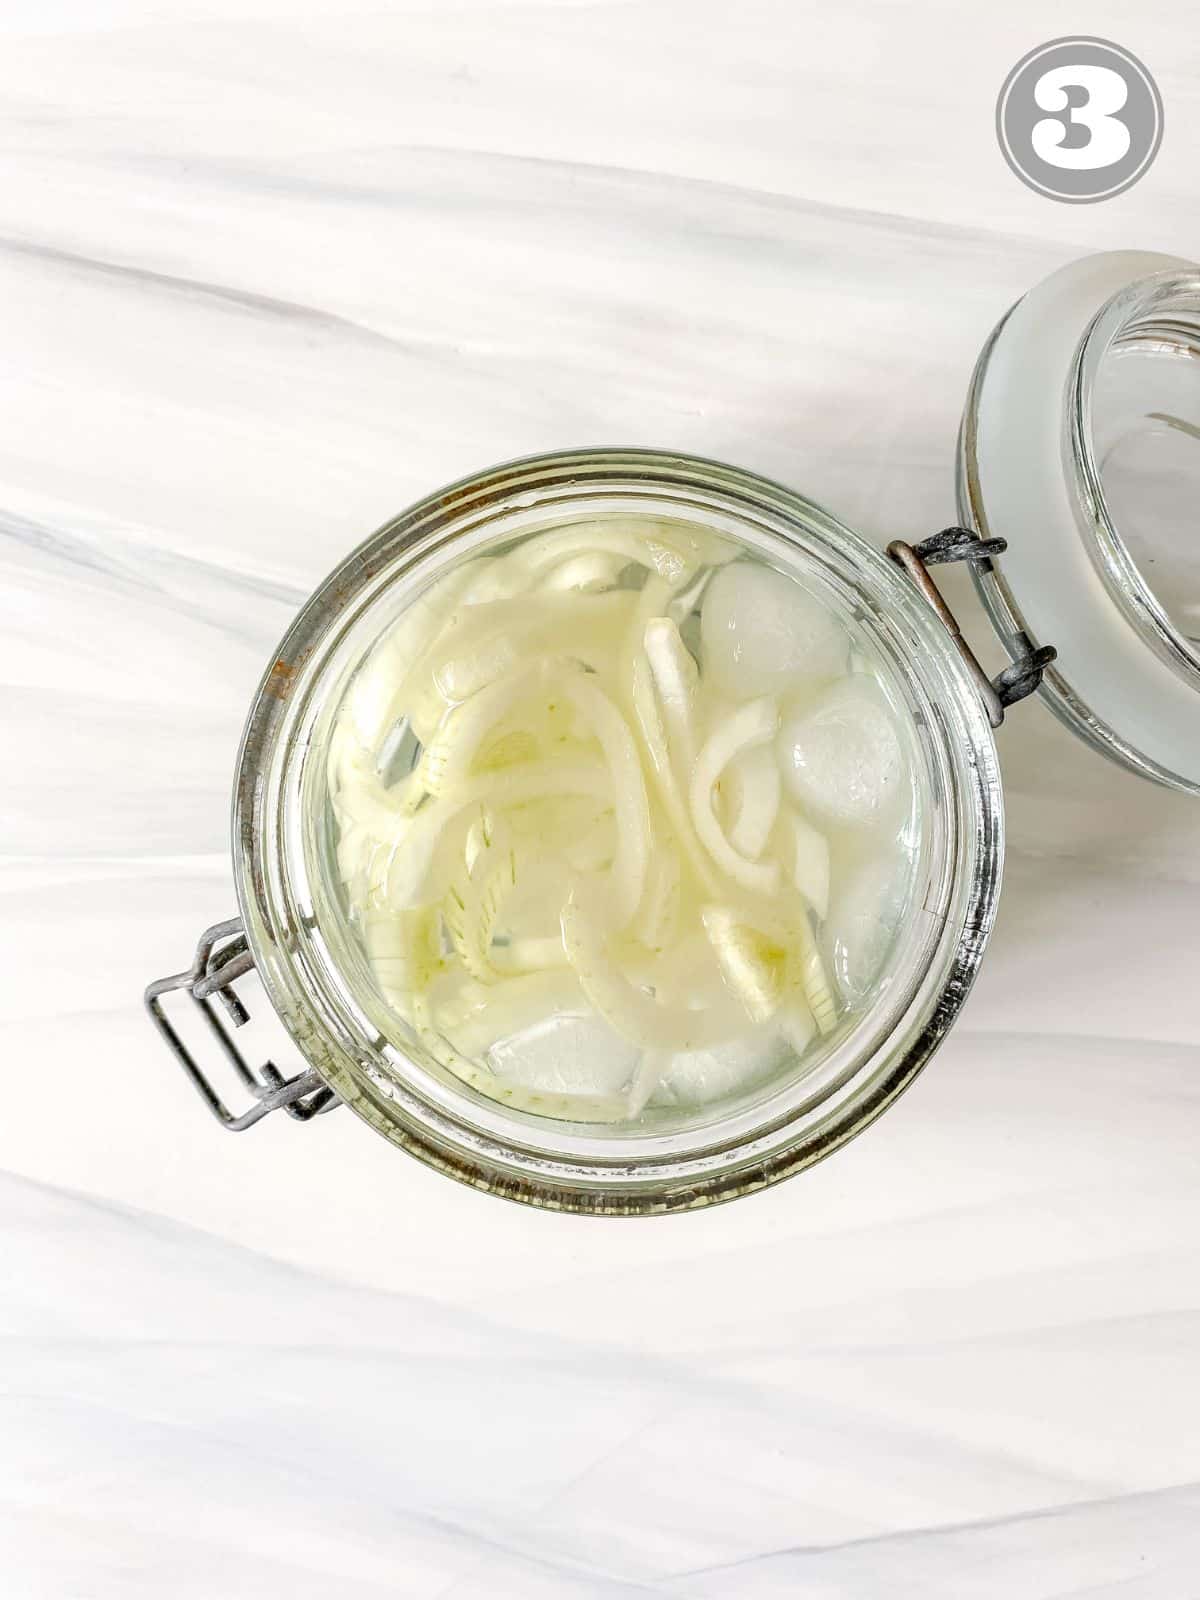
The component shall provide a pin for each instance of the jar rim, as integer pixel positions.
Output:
(1020, 479)
(1167, 303)
(444, 1135)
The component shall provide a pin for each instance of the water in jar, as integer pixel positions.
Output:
(625, 821)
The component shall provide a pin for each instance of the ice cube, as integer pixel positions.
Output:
(862, 924)
(841, 755)
(566, 1054)
(760, 631)
(699, 1077)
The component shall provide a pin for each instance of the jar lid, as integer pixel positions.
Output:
(1080, 448)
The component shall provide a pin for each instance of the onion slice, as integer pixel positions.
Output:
(626, 1007)
(654, 744)
(647, 1076)
(657, 922)
(809, 852)
(813, 978)
(752, 788)
(591, 571)
(750, 964)
(756, 723)
(448, 757)
(481, 643)
(533, 954)
(404, 952)
(375, 701)
(676, 677)
(628, 872)
(673, 550)
(402, 879)
(473, 900)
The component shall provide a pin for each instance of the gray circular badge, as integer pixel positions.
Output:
(1079, 119)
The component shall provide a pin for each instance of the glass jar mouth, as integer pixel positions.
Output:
(558, 1165)
(1154, 320)
(1034, 469)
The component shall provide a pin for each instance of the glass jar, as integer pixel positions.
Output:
(292, 926)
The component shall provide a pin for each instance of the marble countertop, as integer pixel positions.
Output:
(270, 271)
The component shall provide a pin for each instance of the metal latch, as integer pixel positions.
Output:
(222, 957)
(961, 544)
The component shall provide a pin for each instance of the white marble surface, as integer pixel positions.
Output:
(270, 269)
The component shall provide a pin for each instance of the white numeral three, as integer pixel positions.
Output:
(1108, 137)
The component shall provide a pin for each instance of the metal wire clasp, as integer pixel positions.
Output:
(961, 544)
(223, 956)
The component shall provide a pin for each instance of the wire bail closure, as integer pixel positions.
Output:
(222, 957)
(962, 544)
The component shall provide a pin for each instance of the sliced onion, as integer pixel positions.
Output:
(473, 900)
(794, 1022)
(786, 923)
(687, 599)
(813, 977)
(756, 723)
(404, 952)
(686, 974)
(562, 824)
(647, 1076)
(378, 823)
(507, 748)
(657, 923)
(448, 757)
(751, 789)
(675, 677)
(480, 643)
(630, 804)
(541, 954)
(654, 745)
(595, 848)
(809, 860)
(671, 549)
(751, 965)
(402, 877)
(591, 571)
(634, 1014)
(373, 701)
(585, 628)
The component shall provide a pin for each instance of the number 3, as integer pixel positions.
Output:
(1108, 137)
